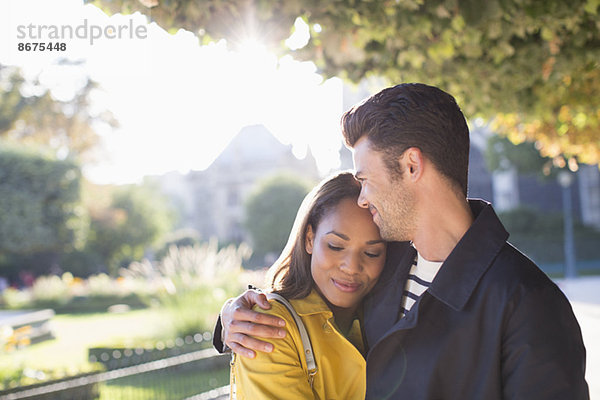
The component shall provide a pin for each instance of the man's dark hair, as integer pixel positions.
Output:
(413, 115)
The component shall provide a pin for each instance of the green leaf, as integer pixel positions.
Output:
(591, 7)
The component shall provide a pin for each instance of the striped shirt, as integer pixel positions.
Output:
(419, 279)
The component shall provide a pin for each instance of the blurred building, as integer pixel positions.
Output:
(213, 199)
(588, 179)
(509, 189)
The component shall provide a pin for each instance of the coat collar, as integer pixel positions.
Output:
(471, 258)
(311, 304)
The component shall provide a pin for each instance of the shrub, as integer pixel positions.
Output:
(179, 238)
(52, 290)
(191, 283)
(68, 294)
(101, 285)
(14, 298)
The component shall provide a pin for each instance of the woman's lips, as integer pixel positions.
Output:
(346, 286)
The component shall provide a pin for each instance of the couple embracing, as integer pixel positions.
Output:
(395, 285)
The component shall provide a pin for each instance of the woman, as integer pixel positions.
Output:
(333, 258)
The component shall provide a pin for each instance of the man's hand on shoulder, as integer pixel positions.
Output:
(240, 322)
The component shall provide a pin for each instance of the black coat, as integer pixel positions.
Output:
(491, 326)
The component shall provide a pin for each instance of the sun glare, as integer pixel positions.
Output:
(253, 49)
(300, 37)
(179, 104)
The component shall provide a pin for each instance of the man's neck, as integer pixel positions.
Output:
(443, 220)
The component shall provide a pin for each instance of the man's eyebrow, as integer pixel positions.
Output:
(341, 235)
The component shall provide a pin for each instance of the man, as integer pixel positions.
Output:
(458, 312)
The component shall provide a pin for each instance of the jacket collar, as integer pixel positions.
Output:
(311, 304)
(471, 258)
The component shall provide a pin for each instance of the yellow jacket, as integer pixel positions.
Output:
(282, 374)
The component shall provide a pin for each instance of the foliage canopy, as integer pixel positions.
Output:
(532, 65)
(30, 115)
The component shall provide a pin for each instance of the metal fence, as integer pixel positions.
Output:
(201, 374)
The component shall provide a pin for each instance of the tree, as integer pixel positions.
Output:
(65, 126)
(12, 101)
(532, 65)
(125, 221)
(41, 215)
(40, 204)
(501, 153)
(270, 212)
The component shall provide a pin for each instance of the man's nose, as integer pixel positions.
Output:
(362, 201)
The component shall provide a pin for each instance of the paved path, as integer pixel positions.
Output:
(584, 294)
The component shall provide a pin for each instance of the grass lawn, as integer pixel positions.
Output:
(76, 332)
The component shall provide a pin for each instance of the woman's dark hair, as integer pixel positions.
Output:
(413, 115)
(290, 275)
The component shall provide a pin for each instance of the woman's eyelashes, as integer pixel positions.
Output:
(334, 247)
(369, 254)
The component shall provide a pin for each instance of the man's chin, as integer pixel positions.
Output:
(390, 236)
(387, 236)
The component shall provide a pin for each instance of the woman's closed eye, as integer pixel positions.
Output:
(371, 254)
(334, 247)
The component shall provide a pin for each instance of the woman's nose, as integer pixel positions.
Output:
(351, 263)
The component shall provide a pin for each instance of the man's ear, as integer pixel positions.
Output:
(412, 162)
(310, 239)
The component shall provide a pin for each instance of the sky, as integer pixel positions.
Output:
(178, 103)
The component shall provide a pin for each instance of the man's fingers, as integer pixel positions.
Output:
(241, 350)
(240, 322)
(245, 343)
(262, 302)
(243, 314)
(253, 329)
(251, 297)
